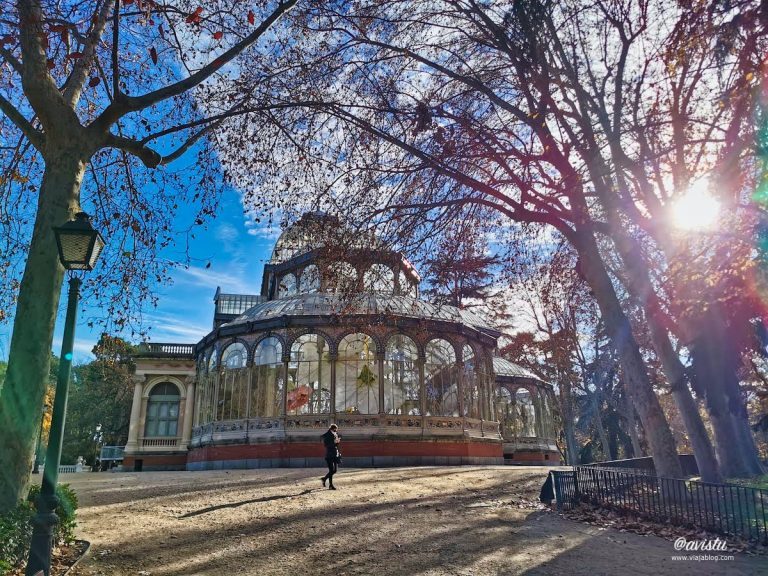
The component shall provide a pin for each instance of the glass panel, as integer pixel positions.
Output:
(309, 376)
(504, 413)
(266, 385)
(525, 414)
(441, 379)
(379, 278)
(470, 384)
(286, 286)
(357, 379)
(342, 277)
(401, 377)
(309, 280)
(235, 356)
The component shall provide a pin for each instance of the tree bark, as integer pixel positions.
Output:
(606, 448)
(747, 444)
(629, 415)
(566, 400)
(658, 433)
(706, 356)
(21, 398)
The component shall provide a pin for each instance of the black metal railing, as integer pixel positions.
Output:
(687, 464)
(723, 508)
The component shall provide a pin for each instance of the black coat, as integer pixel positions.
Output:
(330, 439)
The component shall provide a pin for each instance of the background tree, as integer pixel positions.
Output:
(101, 395)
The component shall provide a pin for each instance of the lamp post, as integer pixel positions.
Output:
(79, 247)
(96, 456)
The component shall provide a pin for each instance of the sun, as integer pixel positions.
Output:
(697, 209)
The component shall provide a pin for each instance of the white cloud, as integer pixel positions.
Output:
(232, 280)
(81, 350)
(226, 233)
(171, 329)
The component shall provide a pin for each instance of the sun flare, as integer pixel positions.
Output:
(697, 209)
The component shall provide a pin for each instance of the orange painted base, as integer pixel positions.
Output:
(361, 453)
(350, 449)
(534, 457)
(150, 462)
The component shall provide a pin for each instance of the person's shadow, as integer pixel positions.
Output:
(244, 502)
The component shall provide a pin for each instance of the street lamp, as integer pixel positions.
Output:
(79, 247)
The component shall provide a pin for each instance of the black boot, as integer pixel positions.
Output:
(323, 480)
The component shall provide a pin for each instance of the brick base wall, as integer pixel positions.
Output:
(155, 462)
(533, 458)
(356, 454)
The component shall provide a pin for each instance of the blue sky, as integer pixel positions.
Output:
(237, 250)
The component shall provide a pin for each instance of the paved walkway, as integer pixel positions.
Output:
(429, 521)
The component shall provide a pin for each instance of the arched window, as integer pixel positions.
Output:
(309, 376)
(471, 384)
(342, 277)
(401, 377)
(267, 383)
(207, 383)
(357, 377)
(162, 411)
(309, 280)
(233, 383)
(407, 287)
(526, 414)
(379, 278)
(504, 412)
(287, 286)
(440, 379)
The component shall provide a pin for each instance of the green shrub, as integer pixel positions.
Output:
(65, 529)
(15, 534)
(16, 526)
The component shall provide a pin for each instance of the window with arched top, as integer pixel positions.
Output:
(206, 390)
(402, 391)
(233, 383)
(525, 413)
(441, 379)
(504, 412)
(309, 376)
(162, 411)
(471, 383)
(286, 286)
(309, 281)
(406, 286)
(357, 376)
(267, 381)
(380, 279)
(341, 277)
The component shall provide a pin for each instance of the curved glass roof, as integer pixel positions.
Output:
(318, 230)
(503, 367)
(320, 303)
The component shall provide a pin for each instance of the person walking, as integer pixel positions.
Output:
(332, 454)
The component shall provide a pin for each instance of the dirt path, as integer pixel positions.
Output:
(427, 521)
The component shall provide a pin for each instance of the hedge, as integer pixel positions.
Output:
(16, 526)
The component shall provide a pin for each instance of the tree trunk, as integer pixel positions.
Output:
(21, 399)
(566, 400)
(629, 415)
(714, 372)
(658, 433)
(686, 405)
(606, 449)
(747, 444)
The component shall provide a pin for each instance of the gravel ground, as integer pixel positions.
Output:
(400, 521)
